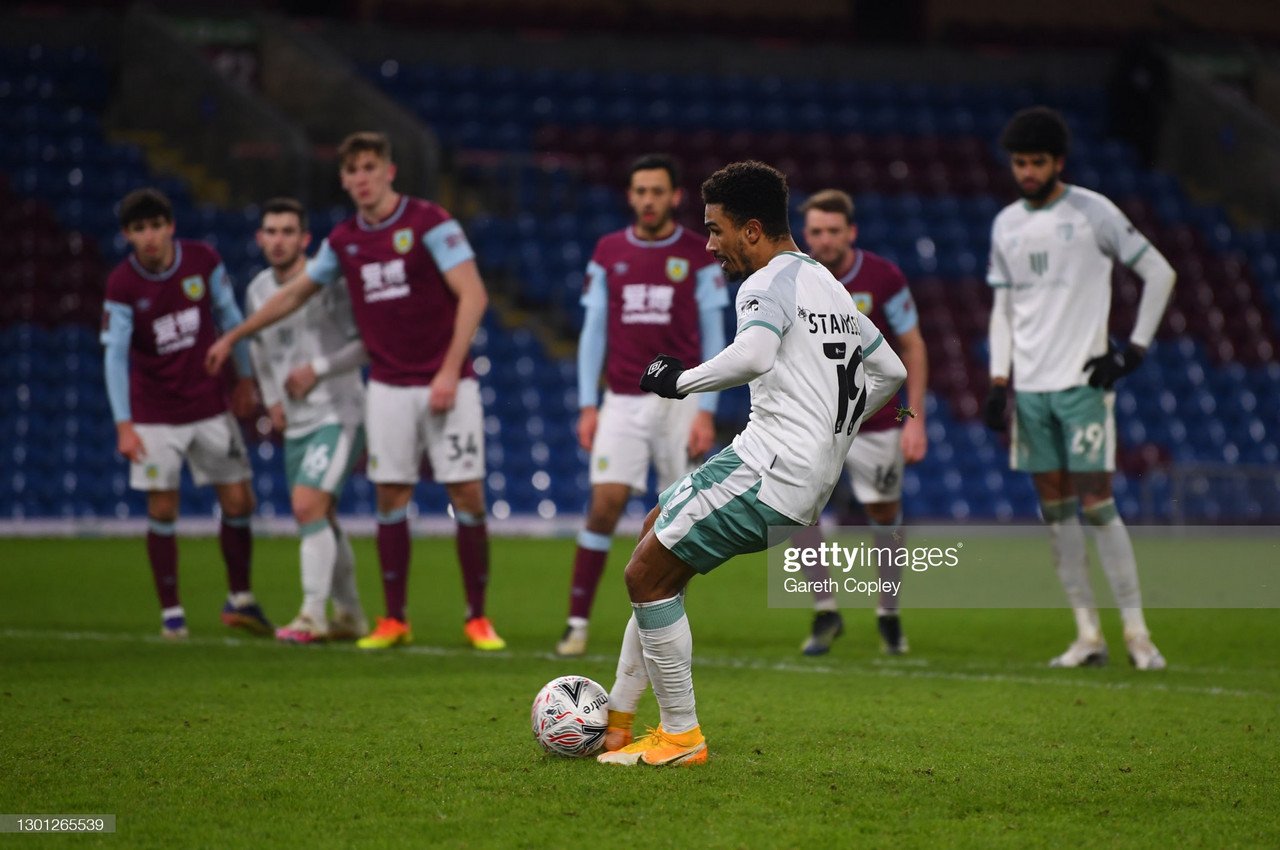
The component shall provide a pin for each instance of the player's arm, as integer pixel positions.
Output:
(881, 365)
(351, 356)
(999, 339)
(457, 262)
(321, 269)
(712, 300)
(592, 345)
(909, 343)
(1121, 241)
(268, 383)
(753, 352)
(117, 332)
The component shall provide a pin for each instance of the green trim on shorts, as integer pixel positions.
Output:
(1071, 429)
(319, 445)
(739, 526)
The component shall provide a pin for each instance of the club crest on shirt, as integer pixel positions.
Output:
(402, 240)
(677, 269)
(193, 287)
(1066, 231)
(863, 301)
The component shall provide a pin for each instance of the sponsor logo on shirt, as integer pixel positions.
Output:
(193, 287)
(402, 240)
(863, 301)
(647, 304)
(1039, 262)
(384, 281)
(751, 306)
(677, 269)
(176, 331)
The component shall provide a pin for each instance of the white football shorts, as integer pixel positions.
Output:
(213, 447)
(635, 431)
(401, 427)
(875, 464)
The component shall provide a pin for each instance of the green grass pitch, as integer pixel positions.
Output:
(969, 741)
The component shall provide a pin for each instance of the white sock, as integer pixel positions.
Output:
(578, 622)
(241, 599)
(1066, 540)
(346, 596)
(1115, 550)
(668, 657)
(319, 550)
(633, 678)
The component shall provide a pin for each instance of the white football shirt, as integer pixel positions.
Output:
(1056, 262)
(806, 410)
(320, 327)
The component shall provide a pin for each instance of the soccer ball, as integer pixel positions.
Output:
(570, 716)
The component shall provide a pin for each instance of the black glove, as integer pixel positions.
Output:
(993, 410)
(661, 375)
(1105, 370)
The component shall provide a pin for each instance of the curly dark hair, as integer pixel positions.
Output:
(144, 205)
(1037, 129)
(751, 189)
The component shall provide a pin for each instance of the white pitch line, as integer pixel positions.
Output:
(878, 669)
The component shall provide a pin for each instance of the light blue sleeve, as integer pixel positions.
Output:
(593, 341)
(323, 267)
(711, 291)
(117, 333)
(901, 310)
(713, 298)
(596, 292)
(226, 312)
(448, 245)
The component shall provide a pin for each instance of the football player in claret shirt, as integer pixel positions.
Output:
(417, 298)
(650, 287)
(884, 442)
(158, 321)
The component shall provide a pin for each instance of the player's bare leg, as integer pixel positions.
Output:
(236, 539)
(1059, 507)
(162, 553)
(318, 552)
(656, 580)
(1115, 551)
(467, 498)
(886, 522)
(393, 558)
(608, 501)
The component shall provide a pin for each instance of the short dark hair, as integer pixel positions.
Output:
(366, 140)
(144, 205)
(1037, 129)
(830, 201)
(286, 205)
(751, 189)
(651, 161)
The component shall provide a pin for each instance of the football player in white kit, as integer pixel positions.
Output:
(308, 374)
(816, 367)
(1051, 259)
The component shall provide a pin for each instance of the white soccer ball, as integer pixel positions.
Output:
(570, 716)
